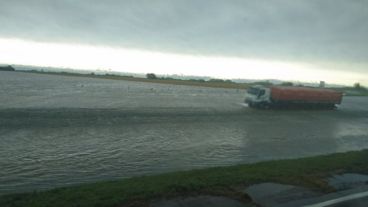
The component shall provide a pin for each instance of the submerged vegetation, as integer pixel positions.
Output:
(310, 172)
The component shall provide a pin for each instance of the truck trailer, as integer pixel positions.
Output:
(291, 96)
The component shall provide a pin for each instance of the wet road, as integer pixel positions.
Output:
(361, 202)
(57, 131)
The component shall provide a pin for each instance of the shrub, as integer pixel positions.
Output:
(151, 76)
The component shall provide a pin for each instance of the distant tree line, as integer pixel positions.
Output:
(197, 80)
(154, 76)
(220, 81)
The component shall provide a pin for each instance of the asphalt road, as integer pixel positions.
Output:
(362, 202)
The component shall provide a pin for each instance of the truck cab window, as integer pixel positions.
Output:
(253, 91)
(261, 92)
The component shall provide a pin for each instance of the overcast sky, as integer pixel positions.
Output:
(320, 35)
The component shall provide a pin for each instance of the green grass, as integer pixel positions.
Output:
(220, 181)
(210, 84)
(351, 91)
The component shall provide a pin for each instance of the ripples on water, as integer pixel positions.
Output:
(55, 133)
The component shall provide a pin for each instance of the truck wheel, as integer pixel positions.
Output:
(331, 107)
(266, 106)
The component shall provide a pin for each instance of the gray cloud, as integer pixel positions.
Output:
(308, 30)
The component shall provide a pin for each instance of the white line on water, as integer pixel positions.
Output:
(339, 200)
(243, 104)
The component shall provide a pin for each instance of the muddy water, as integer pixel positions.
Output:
(57, 131)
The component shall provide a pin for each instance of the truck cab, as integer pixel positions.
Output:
(258, 96)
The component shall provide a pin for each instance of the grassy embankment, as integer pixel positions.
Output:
(226, 181)
(214, 83)
(351, 91)
(201, 83)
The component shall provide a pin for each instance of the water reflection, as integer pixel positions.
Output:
(42, 148)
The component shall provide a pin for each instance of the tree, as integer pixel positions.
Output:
(151, 76)
(359, 87)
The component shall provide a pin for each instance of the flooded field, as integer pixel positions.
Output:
(57, 131)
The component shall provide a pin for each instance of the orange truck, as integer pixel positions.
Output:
(288, 96)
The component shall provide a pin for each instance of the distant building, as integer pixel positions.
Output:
(322, 84)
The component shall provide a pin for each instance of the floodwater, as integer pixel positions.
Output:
(58, 131)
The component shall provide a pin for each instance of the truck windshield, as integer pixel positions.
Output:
(254, 91)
